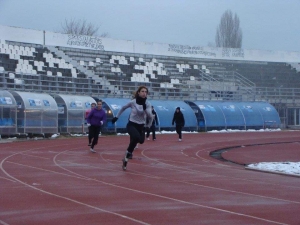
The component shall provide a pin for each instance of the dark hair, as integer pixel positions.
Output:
(139, 89)
(93, 103)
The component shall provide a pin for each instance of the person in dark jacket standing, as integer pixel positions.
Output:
(152, 128)
(178, 118)
(140, 117)
(95, 119)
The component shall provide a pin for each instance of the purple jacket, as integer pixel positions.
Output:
(96, 116)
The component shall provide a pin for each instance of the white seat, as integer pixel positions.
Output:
(81, 63)
(11, 76)
(29, 53)
(91, 64)
(131, 59)
(74, 75)
(59, 74)
(18, 81)
(17, 70)
(40, 68)
(33, 72)
(98, 60)
(62, 65)
(112, 61)
(196, 67)
(113, 69)
(49, 73)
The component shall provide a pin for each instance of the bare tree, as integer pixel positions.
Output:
(80, 27)
(229, 33)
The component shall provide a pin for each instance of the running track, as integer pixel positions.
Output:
(167, 182)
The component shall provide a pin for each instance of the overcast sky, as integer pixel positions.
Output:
(266, 24)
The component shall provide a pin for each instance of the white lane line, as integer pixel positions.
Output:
(66, 198)
(4, 178)
(228, 167)
(205, 186)
(188, 203)
(3, 223)
(164, 197)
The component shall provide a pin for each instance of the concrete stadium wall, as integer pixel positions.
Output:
(128, 46)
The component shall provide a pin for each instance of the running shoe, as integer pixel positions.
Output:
(124, 166)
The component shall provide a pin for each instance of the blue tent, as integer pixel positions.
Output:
(165, 110)
(236, 115)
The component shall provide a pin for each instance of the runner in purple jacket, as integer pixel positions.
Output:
(95, 119)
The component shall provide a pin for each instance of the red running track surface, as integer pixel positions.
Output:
(167, 182)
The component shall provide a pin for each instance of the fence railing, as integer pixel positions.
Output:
(122, 88)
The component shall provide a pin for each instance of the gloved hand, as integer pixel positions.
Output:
(101, 122)
(114, 120)
(88, 124)
(144, 106)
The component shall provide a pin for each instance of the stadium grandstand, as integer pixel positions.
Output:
(81, 69)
